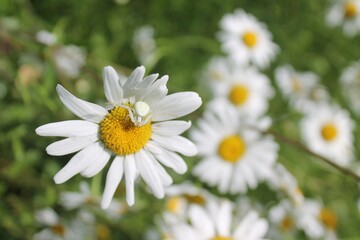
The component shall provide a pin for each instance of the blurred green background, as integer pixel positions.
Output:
(185, 37)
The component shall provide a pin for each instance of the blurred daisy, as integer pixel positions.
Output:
(246, 89)
(246, 40)
(216, 222)
(283, 216)
(217, 71)
(144, 44)
(69, 60)
(300, 88)
(328, 132)
(350, 80)
(235, 155)
(53, 226)
(46, 38)
(345, 13)
(179, 198)
(316, 220)
(284, 181)
(136, 128)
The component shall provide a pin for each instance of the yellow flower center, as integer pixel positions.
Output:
(239, 94)
(350, 10)
(216, 75)
(328, 217)
(173, 204)
(287, 223)
(102, 232)
(232, 148)
(58, 229)
(250, 39)
(221, 238)
(121, 135)
(196, 199)
(329, 132)
(296, 85)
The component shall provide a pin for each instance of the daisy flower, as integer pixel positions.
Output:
(300, 88)
(328, 132)
(46, 38)
(283, 216)
(138, 129)
(69, 60)
(345, 13)
(246, 40)
(284, 181)
(246, 89)
(144, 44)
(316, 220)
(235, 155)
(217, 71)
(350, 80)
(216, 222)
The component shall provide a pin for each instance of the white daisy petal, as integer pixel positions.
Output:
(164, 176)
(113, 179)
(168, 158)
(176, 143)
(176, 105)
(70, 145)
(134, 78)
(98, 164)
(130, 175)
(85, 110)
(201, 221)
(148, 173)
(224, 218)
(78, 162)
(70, 128)
(170, 128)
(113, 90)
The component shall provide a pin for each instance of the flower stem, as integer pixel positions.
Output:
(303, 148)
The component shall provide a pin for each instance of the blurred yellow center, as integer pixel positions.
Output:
(197, 199)
(58, 229)
(102, 232)
(350, 10)
(287, 223)
(121, 135)
(216, 75)
(221, 238)
(296, 85)
(328, 217)
(232, 148)
(329, 132)
(173, 204)
(250, 39)
(239, 94)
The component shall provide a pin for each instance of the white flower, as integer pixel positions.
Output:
(316, 220)
(46, 38)
(246, 89)
(301, 88)
(328, 132)
(310, 216)
(345, 13)
(218, 70)
(284, 181)
(350, 80)
(144, 44)
(69, 60)
(180, 198)
(235, 155)
(216, 222)
(246, 40)
(53, 226)
(136, 129)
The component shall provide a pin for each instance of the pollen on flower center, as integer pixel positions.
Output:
(329, 131)
(58, 229)
(350, 10)
(221, 238)
(239, 94)
(287, 223)
(328, 218)
(250, 39)
(196, 199)
(232, 148)
(121, 135)
(173, 204)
